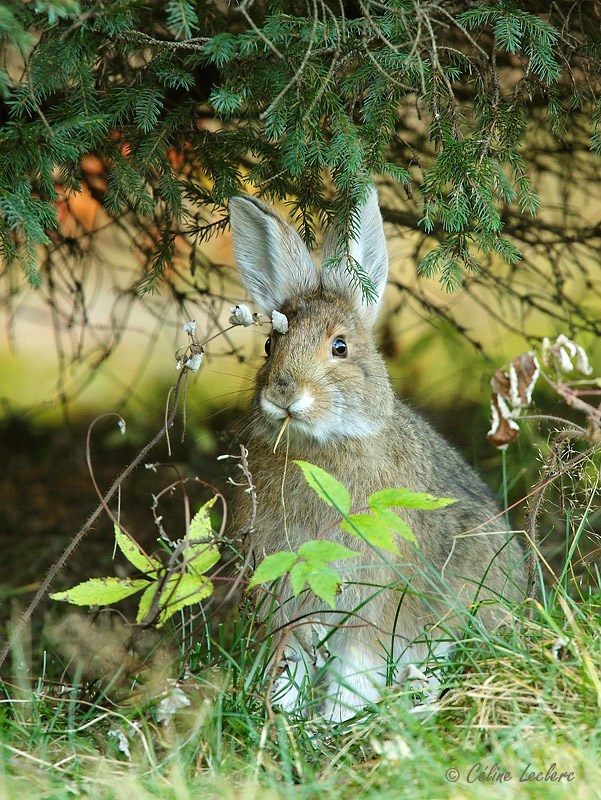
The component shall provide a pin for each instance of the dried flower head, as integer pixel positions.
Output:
(503, 428)
(562, 353)
(191, 358)
(193, 362)
(241, 315)
(511, 392)
(279, 322)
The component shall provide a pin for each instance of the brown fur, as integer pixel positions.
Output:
(405, 452)
(355, 428)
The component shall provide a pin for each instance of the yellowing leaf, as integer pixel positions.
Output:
(201, 557)
(180, 591)
(326, 486)
(100, 591)
(200, 525)
(146, 601)
(273, 567)
(133, 553)
(373, 529)
(403, 498)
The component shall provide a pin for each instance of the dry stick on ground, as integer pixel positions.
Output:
(79, 536)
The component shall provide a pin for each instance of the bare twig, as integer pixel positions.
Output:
(84, 530)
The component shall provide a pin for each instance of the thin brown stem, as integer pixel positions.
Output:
(82, 532)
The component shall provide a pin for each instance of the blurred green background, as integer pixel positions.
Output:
(87, 343)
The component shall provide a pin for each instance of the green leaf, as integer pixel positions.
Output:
(200, 525)
(181, 591)
(135, 555)
(298, 576)
(324, 581)
(398, 524)
(201, 557)
(273, 567)
(100, 591)
(373, 529)
(146, 601)
(326, 486)
(403, 498)
(325, 551)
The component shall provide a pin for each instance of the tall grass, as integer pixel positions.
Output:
(519, 706)
(514, 704)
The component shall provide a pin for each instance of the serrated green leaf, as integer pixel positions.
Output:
(134, 554)
(180, 591)
(100, 591)
(373, 529)
(404, 498)
(273, 567)
(298, 576)
(200, 525)
(398, 524)
(324, 581)
(146, 601)
(326, 486)
(325, 551)
(201, 557)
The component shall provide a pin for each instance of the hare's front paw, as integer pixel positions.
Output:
(357, 679)
(289, 690)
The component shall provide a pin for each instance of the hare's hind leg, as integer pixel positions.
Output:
(351, 676)
(356, 678)
(291, 689)
(423, 672)
(357, 675)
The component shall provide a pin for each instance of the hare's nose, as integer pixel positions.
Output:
(282, 381)
(282, 390)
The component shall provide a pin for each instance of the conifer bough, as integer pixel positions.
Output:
(312, 102)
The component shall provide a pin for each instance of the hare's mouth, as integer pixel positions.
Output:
(301, 417)
(310, 420)
(298, 410)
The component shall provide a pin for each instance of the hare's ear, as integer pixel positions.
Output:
(273, 261)
(368, 248)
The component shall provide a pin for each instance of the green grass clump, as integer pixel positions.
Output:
(523, 701)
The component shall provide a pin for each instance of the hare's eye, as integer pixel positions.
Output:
(339, 347)
(268, 345)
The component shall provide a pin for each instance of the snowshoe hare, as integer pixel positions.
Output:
(326, 374)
